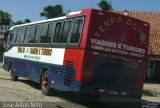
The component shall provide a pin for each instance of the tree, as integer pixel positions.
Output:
(52, 11)
(27, 20)
(105, 5)
(22, 22)
(5, 18)
(18, 22)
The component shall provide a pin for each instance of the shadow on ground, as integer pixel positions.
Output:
(91, 102)
(30, 83)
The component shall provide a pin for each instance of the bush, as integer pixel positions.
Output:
(1, 51)
(151, 93)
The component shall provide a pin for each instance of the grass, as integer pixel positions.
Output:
(1, 60)
(151, 93)
(0, 64)
(1, 51)
(148, 93)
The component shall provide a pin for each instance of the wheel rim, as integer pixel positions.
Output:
(45, 83)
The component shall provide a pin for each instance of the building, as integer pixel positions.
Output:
(153, 18)
(3, 30)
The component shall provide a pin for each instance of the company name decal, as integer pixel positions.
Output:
(118, 48)
(115, 20)
(37, 51)
(44, 55)
(32, 53)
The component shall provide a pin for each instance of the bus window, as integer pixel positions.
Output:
(49, 33)
(30, 32)
(22, 36)
(56, 38)
(9, 37)
(27, 35)
(76, 31)
(15, 31)
(18, 35)
(43, 33)
(37, 34)
(65, 31)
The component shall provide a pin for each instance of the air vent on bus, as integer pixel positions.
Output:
(68, 70)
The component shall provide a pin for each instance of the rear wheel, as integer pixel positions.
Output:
(13, 77)
(45, 84)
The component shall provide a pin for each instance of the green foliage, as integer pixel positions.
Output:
(105, 5)
(1, 51)
(19, 22)
(0, 64)
(5, 18)
(27, 20)
(150, 93)
(126, 11)
(52, 11)
(22, 22)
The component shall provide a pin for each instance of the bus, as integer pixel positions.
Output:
(91, 51)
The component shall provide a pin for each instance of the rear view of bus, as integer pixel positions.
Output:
(116, 48)
(90, 51)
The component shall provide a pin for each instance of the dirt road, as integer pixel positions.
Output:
(27, 91)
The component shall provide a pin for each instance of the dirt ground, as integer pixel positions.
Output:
(27, 91)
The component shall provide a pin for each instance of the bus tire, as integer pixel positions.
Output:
(13, 77)
(45, 84)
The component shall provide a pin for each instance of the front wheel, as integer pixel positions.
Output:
(45, 84)
(13, 77)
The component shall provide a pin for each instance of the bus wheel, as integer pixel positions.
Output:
(46, 90)
(13, 77)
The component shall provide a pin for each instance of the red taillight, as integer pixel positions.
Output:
(88, 69)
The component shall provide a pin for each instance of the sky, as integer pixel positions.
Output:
(31, 9)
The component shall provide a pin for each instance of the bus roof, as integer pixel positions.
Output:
(64, 17)
(48, 20)
(42, 21)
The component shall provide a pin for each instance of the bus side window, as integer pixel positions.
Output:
(32, 34)
(18, 35)
(65, 32)
(43, 35)
(76, 31)
(9, 37)
(26, 40)
(15, 31)
(22, 36)
(56, 38)
(50, 33)
(37, 34)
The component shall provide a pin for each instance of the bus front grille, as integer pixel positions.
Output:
(68, 70)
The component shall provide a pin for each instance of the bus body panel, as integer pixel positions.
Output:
(113, 33)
